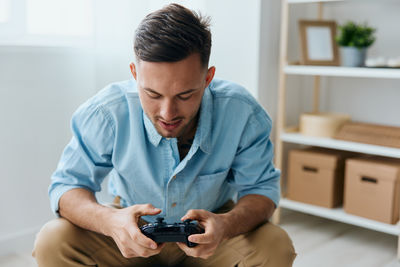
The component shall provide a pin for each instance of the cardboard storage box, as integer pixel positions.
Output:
(322, 124)
(370, 134)
(372, 188)
(316, 176)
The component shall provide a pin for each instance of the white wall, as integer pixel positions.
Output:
(40, 87)
(268, 69)
(236, 31)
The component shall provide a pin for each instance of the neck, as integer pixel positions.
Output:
(190, 130)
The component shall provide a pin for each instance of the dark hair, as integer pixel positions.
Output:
(171, 34)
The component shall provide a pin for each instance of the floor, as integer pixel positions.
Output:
(319, 242)
(17, 260)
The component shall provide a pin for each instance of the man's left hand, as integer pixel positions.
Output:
(214, 233)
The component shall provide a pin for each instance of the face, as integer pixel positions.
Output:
(171, 93)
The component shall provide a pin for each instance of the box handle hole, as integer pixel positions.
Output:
(309, 169)
(369, 179)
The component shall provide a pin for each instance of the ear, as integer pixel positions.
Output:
(133, 69)
(210, 75)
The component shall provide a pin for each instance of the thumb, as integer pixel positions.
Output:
(198, 215)
(146, 209)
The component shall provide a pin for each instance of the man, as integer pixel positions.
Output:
(176, 143)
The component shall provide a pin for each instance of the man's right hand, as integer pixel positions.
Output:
(80, 207)
(123, 227)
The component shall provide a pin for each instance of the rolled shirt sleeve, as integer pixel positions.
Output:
(253, 169)
(86, 160)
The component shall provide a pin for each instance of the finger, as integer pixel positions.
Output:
(154, 251)
(184, 248)
(144, 252)
(140, 239)
(157, 250)
(146, 242)
(198, 251)
(206, 238)
(130, 248)
(198, 215)
(146, 209)
(161, 246)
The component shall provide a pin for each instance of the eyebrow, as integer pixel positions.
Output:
(183, 93)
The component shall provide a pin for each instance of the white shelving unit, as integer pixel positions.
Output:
(342, 71)
(285, 135)
(311, 1)
(298, 138)
(338, 214)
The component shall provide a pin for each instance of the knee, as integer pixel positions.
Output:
(274, 242)
(276, 236)
(52, 237)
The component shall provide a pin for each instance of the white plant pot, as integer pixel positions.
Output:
(352, 56)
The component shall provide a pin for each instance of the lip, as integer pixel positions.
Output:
(169, 126)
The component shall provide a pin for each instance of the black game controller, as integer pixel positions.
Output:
(162, 232)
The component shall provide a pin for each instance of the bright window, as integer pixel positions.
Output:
(47, 22)
(59, 17)
(4, 10)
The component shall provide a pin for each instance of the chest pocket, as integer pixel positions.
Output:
(208, 188)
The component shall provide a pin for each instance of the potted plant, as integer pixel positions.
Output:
(354, 39)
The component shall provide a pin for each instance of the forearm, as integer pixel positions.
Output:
(250, 211)
(80, 207)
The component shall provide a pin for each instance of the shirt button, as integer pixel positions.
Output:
(173, 205)
(174, 177)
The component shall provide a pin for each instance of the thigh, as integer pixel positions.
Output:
(61, 243)
(267, 245)
(171, 255)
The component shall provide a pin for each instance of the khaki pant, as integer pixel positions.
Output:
(60, 243)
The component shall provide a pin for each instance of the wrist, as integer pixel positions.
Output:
(226, 226)
(105, 220)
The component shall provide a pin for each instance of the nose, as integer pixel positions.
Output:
(168, 111)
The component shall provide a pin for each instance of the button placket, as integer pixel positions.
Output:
(172, 186)
(173, 191)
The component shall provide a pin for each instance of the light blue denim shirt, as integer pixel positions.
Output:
(231, 155)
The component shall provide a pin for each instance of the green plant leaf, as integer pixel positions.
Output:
(355, 35)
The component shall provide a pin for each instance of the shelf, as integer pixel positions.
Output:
(288, 135)
(338, 214)
(298, 138)
(311, 1)
(343, 71)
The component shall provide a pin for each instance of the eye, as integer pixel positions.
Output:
(185, 97)
(153, 95)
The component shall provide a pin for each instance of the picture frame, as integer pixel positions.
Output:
(317, 41)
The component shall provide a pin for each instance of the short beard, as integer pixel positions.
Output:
(185, 128)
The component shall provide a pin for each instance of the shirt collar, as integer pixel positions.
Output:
(205, 121)
(152, 133)
(203, 132)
